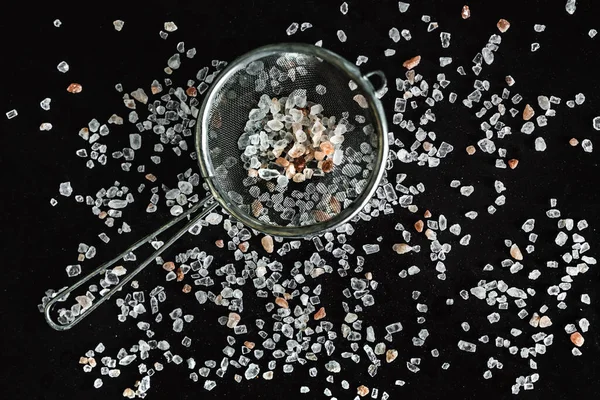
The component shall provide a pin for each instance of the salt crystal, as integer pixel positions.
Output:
(596, 123)
(46, 126)
(73, 270)
(342, 36)
(140, 95)
(118, 24)
(570, 7)
(45, 104)
(174, 62)
(585, 298)
(394, 34)
(57, 23)
(539, 28)
(305, 26)
(344, 8)
(587, 145)
(170, 26)
(11, 114)
(467, 190)
(63, 67)
(592, 33)
(293, 28)
(467, 346)
(214, 218)
(65, 189)
(444, 61)
(540, 144)
(371, 248)
(528, 127)
(403, 7)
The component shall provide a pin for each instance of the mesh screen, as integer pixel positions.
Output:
(321, 198)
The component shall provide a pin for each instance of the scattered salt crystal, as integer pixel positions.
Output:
(46, 126)
(57, 23)
(214, 218)
(45, 104)
(65, 189)
(11, 114)
(371, 248)
(571, 6)
(342, 36)
(63, 67)
(305, 26)
(539, 28)
(535, 47)
(503, 25)
(592, 33)
(74, 88)
(585, 298)
(467, 346)
(73, 270)
(170, 26)
(394, 34)
(540, 144)
(467, 190)
(596, 123)
(587, 145)
(118, 24)
(403, 7)
(444, 61)
(293, 28)
(344, 8)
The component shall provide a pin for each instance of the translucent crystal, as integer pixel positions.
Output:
(11, 114)
(342, 36)
(170, 26)
(528, 127)
(467, 346)
(65, 189)
(118, 24)
(174, 62)
(394, 34)
(344, 8)
(305, 26)
(63, 67)
(45, 104)
(444, 61)
(293, 28)
(540, 144)
(73, 270)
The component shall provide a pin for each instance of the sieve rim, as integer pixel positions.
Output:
(380, 125)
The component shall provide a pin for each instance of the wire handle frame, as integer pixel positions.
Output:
(210, 206)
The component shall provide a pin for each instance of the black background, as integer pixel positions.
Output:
(38, 240)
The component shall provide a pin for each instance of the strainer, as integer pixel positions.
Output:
(297, 74)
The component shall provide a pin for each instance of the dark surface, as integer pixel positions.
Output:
(40, 240)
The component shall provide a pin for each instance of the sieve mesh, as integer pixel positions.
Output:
(322, 202)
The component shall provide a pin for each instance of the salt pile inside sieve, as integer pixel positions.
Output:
(288, 138)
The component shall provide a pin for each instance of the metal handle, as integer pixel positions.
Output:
(381, 76)
(102, 268)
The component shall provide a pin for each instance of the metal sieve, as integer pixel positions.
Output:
(300, 73)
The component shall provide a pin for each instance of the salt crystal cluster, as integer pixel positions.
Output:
(289, 138)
